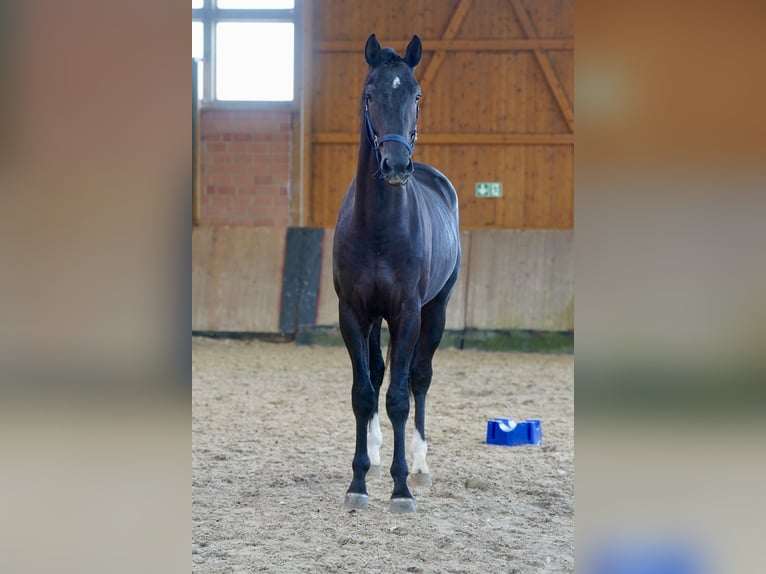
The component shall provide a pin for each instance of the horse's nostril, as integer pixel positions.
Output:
(384, 165)
(410, 168)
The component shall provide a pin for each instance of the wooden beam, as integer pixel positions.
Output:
(196, 148)
(307, 69)
(545, 65)
(555, 86)
(452, 27)
(459, 139)
(512, 45)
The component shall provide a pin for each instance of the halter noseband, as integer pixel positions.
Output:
(375, 141)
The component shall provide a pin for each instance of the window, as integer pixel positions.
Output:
(198, 53)
(245, 49)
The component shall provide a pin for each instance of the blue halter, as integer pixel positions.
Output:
(375, 141)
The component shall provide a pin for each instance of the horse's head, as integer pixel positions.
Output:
(390, 104)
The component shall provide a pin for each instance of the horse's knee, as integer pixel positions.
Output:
(363, 401)
(397, 403)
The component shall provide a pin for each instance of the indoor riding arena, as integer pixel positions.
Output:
(277, 141)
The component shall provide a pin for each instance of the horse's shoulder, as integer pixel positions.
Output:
(437, 182)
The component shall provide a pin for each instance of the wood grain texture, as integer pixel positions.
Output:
(521, 280)
(491, 110)
(327, 303)
(237, 278)
(509, 280)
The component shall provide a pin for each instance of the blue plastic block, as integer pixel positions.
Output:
(507, 432)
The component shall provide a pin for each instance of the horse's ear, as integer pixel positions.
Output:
(414, 52)
(372, 51)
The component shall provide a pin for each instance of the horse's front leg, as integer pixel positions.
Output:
(404, 334)
(356, 333)
(377, 370)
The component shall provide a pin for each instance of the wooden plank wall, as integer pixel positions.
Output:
(509, 280)
(237, 278)
(498, 86)
(520, 280)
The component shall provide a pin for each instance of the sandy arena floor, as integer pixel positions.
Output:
(272, 442)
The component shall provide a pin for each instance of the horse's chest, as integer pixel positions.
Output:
(381, 271)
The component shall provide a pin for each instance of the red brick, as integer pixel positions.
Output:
(238, 179)
(215, 146)
(219, 179)
(237, 147)
(240, 168)
(259, 168)
(241, 158)
(279, 148)
(218, 200)
(261, 201)
(263, 179)
(259, 148)
(280, 163)
(249, 190)
(210, 168)
(242, 137)
(218, 158)
(211, 114)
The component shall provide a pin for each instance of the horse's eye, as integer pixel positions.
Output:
(417, 98)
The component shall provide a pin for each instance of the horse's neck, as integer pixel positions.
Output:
(373, 203)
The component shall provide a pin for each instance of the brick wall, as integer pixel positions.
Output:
(245, 165)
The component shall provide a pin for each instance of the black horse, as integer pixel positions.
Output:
(396, 256)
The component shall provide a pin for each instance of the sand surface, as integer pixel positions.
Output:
(273, 439)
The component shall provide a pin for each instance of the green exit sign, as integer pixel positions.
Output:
(489, 189)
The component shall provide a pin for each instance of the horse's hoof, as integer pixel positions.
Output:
(421, 479)
(355, 501)
(402, 505)
(374, 471)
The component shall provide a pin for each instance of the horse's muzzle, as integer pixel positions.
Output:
(396, 173)
(397, 179)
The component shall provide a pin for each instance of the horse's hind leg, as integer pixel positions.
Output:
(377, 370)
(433, 318)
(356, 334)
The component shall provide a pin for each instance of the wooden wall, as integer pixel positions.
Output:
(509, 280)
(237, 278)
(497, 83)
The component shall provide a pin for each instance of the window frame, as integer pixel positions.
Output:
(210, 15)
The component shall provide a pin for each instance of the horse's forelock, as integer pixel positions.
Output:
(389, 56)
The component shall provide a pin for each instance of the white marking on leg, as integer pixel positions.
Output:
(374, 440)
(397, 82)
(419, 449)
